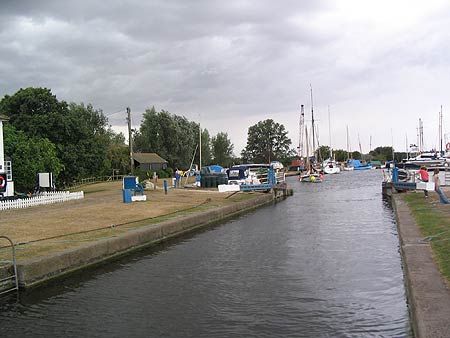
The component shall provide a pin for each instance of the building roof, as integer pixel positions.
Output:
(4, 117)
(148, 158)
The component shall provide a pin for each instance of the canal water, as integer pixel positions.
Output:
(323, 263)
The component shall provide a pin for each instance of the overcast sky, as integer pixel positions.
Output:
(378, 65)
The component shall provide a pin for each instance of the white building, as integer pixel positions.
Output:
(5, 166)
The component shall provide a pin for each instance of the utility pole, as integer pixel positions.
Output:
(200, 145)
(130, 140)
(440, 133)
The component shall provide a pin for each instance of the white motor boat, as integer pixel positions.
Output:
(429, 159)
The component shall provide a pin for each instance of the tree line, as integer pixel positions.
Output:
(75, 141)
(176, 139)
(382, 154)
(72, 141)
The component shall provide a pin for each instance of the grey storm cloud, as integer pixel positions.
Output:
(240, 60)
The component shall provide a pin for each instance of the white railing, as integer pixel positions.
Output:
(41, 199)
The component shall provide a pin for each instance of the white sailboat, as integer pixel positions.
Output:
(311, 176)
(329, 165)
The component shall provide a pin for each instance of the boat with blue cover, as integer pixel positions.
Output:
(357, 165)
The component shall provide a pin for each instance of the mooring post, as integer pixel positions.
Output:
(395, 175)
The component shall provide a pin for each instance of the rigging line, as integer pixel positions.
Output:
(119, 111)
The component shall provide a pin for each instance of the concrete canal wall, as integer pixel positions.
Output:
(427, 292)
(42, 269)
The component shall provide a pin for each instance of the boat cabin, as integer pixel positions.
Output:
(239, 174)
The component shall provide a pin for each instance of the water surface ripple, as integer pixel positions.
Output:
(323, 263)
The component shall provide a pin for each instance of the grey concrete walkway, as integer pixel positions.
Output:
(428, 293)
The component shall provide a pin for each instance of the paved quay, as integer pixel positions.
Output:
(427, 291)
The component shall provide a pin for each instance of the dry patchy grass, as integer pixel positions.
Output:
(101, 208)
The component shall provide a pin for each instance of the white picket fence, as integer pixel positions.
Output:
(41, 199)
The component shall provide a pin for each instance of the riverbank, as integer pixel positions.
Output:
(427, 289)
(55, 240)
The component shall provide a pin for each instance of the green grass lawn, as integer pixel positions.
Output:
(433, 219)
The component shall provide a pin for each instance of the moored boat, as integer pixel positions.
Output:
(425, 159)
(330, 167)
(311, 178)
(357, 165)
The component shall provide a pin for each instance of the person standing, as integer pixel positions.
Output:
(155, 179)
(177, 178)
(424, 178)
(437, 187)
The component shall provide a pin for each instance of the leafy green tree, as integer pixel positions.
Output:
(118, 156)
(340, 155)
(382, 153)
(80, 132)
(37, 112)
(86, 152)
(266, 141)
(30, 156)
(222, 149)
(246, 156)
(399, 156)
(356, 155)
(286, 160)
(324, 152)
(172, 137)
(206, 149)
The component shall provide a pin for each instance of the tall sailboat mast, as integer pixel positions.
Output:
(308, 163)
(421, 145)
(329, 132)
(301, 129)
(312, 122)
(360, 148)
(348, 147)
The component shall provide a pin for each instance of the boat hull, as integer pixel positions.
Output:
(331, 170)
(314, 178)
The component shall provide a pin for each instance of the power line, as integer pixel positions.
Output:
(119, 111)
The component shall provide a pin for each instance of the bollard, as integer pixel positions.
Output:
(395, 175)
(126, 194)
(165, 187)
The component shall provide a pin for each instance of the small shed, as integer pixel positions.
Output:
(149, 161)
